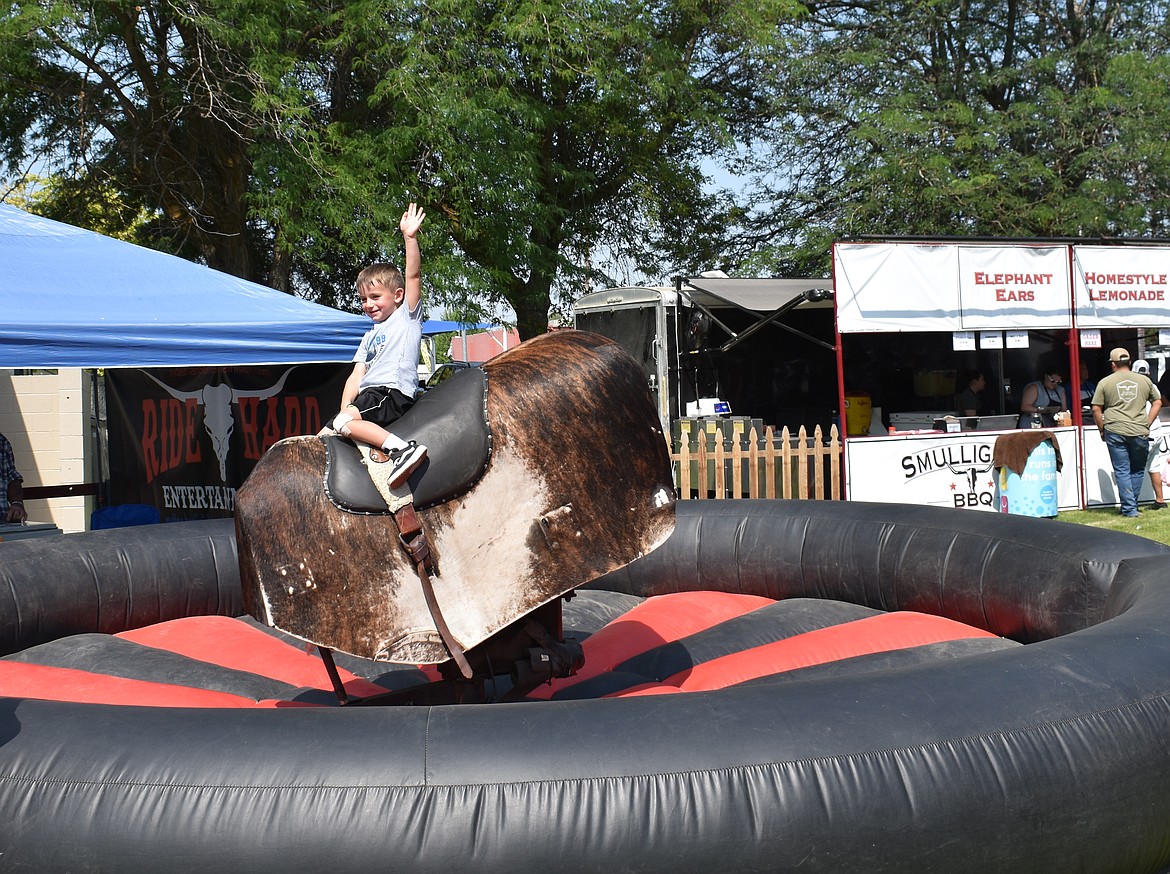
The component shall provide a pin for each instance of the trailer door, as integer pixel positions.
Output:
(636, 319)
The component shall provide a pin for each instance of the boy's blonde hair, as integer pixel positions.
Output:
(380, 274)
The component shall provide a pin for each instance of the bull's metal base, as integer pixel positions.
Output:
(530, 665)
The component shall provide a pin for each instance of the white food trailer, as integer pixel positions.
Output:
(758, 349)
(912, 316)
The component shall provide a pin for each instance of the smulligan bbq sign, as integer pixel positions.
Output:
(951, 471)
(184, 439)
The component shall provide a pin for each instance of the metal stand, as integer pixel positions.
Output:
(552, 657)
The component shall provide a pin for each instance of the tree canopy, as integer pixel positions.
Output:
(281, 142)
(130, 104)
(551, 143)
(1018, 119)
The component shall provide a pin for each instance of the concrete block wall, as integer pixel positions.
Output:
(46, 418)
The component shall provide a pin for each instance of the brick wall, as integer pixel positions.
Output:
(46, 418)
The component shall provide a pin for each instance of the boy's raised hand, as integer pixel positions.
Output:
(412, 220)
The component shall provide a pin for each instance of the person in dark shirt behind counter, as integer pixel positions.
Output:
(970, 400)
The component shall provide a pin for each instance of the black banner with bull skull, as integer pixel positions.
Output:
(184, 439)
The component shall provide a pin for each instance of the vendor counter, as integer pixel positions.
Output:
(925, 466)
(1100, 489)
(947, 469)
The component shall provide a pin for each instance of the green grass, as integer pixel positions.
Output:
(1152, 524)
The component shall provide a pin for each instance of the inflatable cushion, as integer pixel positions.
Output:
(697, 641)
(683, 642)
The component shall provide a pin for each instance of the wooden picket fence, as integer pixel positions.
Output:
(770, 466)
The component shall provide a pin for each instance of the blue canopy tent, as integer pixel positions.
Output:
(74, 298)
(439, 326)
(433, 327)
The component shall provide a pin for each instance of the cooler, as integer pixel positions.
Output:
(858, 412)
(1033, 492)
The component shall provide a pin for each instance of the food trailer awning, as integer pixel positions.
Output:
(771, 298)
(756, 295)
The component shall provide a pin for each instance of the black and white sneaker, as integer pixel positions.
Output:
(404, 461)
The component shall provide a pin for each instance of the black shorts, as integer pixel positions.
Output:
(381, 405)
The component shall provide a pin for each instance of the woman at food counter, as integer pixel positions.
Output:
(1044, 397)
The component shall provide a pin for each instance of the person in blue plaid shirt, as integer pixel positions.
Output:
(12, 494)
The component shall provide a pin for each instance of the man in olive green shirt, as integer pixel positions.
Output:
(1119, 409)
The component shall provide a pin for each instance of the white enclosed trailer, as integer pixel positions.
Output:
(760, 348)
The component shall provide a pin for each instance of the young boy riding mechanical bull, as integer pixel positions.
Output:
(385, 373)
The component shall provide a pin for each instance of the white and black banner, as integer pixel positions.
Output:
(184, 439)
(943, 470)
(950, 287)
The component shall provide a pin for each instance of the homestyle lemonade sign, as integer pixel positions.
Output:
(1121, 286)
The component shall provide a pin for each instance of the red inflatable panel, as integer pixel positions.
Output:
(655, 621)
(20, 680)
(888, 631)
(665, 619)
(229, 643)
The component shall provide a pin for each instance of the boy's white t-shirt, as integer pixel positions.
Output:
(390, 350)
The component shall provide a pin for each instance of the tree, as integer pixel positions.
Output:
(100, 211)
(972, 118)
(281, 141)
(137, 104)
(538, 134)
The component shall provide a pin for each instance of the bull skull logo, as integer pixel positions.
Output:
(971, 474)
(217, 401)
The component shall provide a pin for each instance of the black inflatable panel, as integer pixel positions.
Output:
(1045, 757)
(114, 579)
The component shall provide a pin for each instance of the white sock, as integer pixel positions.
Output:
(393, 442)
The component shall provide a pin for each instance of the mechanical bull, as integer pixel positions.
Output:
(546, 469)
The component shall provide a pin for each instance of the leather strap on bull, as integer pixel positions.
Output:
(346, 475)
(414, 540)
(400, 502)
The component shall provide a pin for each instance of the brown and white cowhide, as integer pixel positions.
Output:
(576, 484)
